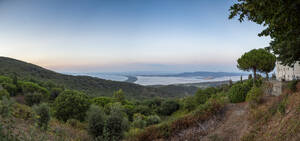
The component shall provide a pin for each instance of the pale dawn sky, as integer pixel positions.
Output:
(125, 35)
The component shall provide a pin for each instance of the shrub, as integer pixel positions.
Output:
(168, 107)
(101, 101)
(115, 126)
(42, 115)
(11, 88)
(30, 87)
(76, 124)
(129, 110)
(34, 98)
(238, 92)
(145, 110)
(71, 104)
(111, 107)
(4, 79)
(55, 92)
(22, 111)
(190, 103)
(96, 121)
(281, 106)
(292, 85)
(153, 119)
(119, 96)
(202, 95)
(139, 121)
(3, 93)
(254, 95)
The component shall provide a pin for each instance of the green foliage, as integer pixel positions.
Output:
(292, 85)
(139, 121)
(11, 88)
(42, 115)
(96, 121)
(54, 92)
(30, 87)
(190, 103)
(33, 98)
(4, 79)
(153, 119)
(168, 107)
(119, 96)
(281, 19)
(201, 96)
(115, 126)
(257, 60)
(3, 93)
(22, 111)
(238, 92)
(6, 107)
(129, 110)
(71, 104)
(145, 110)
(101, 101)
(255, 95)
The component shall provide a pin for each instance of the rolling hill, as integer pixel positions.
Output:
(91, 85)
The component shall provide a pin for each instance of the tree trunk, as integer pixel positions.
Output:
(267, 75)
(254, 74)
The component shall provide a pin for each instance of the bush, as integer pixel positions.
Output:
(71, 104)
(34, 98)
(22, 111)
(129, 110)
(119, 96)
(254, 95)
(145, 110)
(3, 93)
(115, 126)
(11, 88)
(96, 121)
(101, 101)
(29, 87)
(139, 121)
(202, 95)
(238, 92)
(42, 115)
(4, 79)
(54, 93)
(168, 107)
(292, 85)
(153, 119)
(190, 103)
(76, 124)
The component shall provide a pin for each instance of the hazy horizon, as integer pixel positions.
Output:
(125, 35)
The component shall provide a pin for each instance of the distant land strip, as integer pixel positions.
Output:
(131, 79)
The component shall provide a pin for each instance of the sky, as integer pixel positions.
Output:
(126, 35)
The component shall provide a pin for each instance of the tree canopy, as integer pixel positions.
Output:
(281, 19)
(257, 60)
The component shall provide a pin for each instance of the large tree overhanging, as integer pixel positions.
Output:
(282, 21)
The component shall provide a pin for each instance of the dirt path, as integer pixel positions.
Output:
(228, 126)
(233, 125)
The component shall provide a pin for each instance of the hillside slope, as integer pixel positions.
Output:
(276, 118)
(90, 85)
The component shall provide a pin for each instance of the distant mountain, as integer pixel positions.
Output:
(90, 85)
(204, 74)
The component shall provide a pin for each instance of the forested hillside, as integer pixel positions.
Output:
(90, 85)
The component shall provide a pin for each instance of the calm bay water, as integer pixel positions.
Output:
(159, 80)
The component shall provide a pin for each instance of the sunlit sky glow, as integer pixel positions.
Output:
(125, 35)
